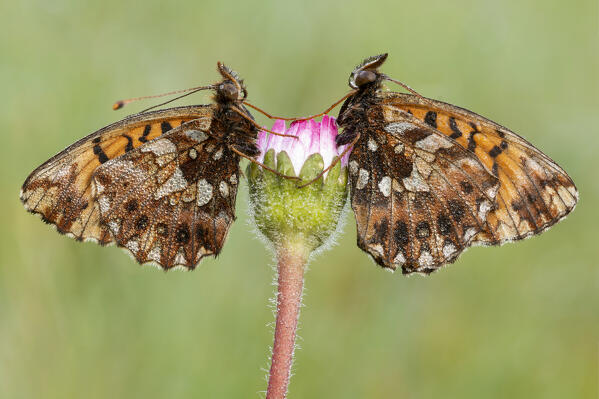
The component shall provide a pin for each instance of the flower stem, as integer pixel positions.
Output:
(290, 266)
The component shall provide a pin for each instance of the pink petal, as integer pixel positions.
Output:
(313, 136)
(287, 142)
(279, 126)
(345, 158)
(298, 147)
(340, 149)
(328, 132)
(262, 142)
(276, 142)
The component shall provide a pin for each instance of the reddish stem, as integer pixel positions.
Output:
(289, 296)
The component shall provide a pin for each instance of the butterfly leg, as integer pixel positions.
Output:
(253, 122)
(241, 154)
(304, 118)
(269, 116)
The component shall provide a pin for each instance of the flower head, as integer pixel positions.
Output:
(284, 212)
(313, 138)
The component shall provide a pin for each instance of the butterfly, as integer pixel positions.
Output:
(429, 179)
(161, 184)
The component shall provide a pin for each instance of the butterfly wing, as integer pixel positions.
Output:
(419, 198)
(172, 200)
(60, 189)
(534, 192)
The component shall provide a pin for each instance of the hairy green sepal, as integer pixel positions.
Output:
(284, 212)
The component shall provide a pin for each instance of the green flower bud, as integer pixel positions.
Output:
(285, 213)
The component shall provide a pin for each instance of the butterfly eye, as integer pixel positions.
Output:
(228, 90)
(364, 77)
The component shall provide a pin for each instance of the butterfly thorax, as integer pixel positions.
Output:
(354, 112)
(233, 129)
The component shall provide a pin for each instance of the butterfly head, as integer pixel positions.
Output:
(231, 88)
(367, 72)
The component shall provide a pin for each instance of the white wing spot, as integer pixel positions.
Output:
(133, 246)
(469, 234)
(492, 191)
(154, 254)
(372, 145)
(385, 186)
(362, 179)
(223, 187)
(399, 148)
(104, 203)
(399, 258)
(448, 250)
(415, 182)
(218, 154)
(233, 179)
(99, 187)
(180, 257)
(432, 143)
(175, 183)
(196, 135)
(399, 127)
(114, 226)
(377, 250)
(204, 192)
(193, 154)
(353, 167)
(483, 209)
(534, 165)
(425, 259)
(159, 147)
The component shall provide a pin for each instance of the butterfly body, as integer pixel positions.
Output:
(161, 184)
(429, 179)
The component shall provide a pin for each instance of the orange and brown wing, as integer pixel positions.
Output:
(418, 197)
(171, 201)
(534, 192)
(60, 189)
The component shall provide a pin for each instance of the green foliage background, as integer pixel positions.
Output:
(78, 320)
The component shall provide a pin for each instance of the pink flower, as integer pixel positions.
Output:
(314, 137)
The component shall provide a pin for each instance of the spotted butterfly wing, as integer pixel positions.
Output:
(408, 194)
(534, 193)
(161, 184)
(429, 179)
(172, 200)
(60, 189)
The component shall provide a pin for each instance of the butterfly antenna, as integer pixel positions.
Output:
(405, 86)
(120, 104)
(408, 88)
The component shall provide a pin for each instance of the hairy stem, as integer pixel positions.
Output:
(290, 266)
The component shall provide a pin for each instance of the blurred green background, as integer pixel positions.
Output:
(78, 320)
